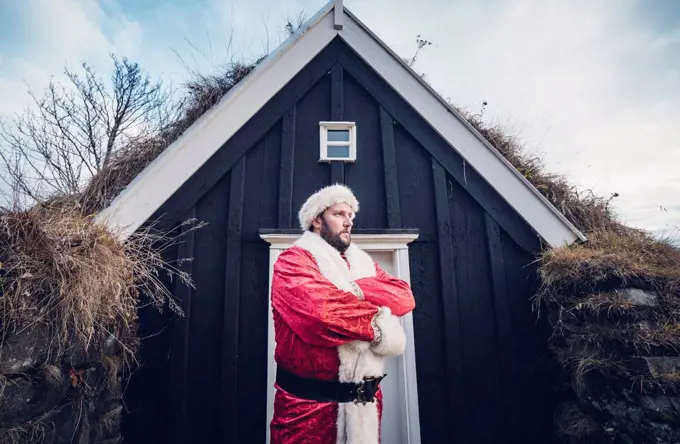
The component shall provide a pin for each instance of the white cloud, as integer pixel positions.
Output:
(61, 33)
(587, 85)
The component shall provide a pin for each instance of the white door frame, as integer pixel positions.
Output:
(397, 244)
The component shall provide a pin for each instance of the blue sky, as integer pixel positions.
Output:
(592, 87)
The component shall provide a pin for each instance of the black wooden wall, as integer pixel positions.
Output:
(477, 346)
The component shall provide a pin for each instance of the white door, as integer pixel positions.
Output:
(400, 422)
(391, 430)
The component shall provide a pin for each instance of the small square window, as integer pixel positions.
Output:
(337, 141)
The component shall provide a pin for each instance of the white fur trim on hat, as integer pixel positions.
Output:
(324, 198)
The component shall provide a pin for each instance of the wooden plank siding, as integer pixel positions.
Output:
(475, 338)
(337, 114)
(390, 170)
(180, 375)
(232, 299)
(449, 298)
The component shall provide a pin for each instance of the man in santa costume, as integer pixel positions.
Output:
(336, 321)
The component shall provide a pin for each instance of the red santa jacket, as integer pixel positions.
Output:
(334, 320)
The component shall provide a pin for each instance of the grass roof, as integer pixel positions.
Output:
(61, 271)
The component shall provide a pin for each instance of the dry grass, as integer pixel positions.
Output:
(582, 293)
(124, 166)
(61, 270)
(62, 273)
(622, 257)
(613, 306)
(576, 427)
(584, 209)
(33, 432)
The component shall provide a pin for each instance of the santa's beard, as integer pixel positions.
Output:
(333, 239)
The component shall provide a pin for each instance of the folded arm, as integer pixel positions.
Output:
(388, 291)
(320, 313)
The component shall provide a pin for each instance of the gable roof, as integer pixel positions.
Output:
(175, 165)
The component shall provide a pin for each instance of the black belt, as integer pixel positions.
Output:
(328, 391)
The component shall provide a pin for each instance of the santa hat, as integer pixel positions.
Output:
(324, 198)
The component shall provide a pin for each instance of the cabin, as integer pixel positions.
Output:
(440, 208)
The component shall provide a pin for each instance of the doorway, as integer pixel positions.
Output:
(392, 385)
(400, 421)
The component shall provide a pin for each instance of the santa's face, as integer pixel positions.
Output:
(335, 226)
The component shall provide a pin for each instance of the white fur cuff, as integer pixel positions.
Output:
(391, 339)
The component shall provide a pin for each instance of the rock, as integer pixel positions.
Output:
(611, 393)
(57, 392)
(113, 345)
(110, 423)
(640, 297)
(23, 351)
(659, 366)
(56, 427)
(632, 416)
(664, 408)
(27, 397)
(33, 347)
(63, 425)
(74, 418)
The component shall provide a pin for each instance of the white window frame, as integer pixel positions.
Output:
(397, 245)
(324, 143)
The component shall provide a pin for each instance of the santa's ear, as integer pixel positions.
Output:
(316, 222)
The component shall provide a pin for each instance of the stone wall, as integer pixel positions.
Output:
(50, 396)
(620, 367)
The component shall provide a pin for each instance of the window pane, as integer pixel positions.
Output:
(338, 135)
(338, 151)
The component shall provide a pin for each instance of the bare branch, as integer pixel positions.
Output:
(72, 131)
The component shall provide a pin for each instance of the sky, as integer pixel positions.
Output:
(591, 87)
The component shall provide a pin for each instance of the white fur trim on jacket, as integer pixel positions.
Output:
(392, 337)
(357, 423)
(324, 198)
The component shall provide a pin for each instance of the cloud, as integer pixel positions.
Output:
(590, 86)
(60, 33)
(53, 35)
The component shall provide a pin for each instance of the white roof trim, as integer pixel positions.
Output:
(338, 13)
(182, 159)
